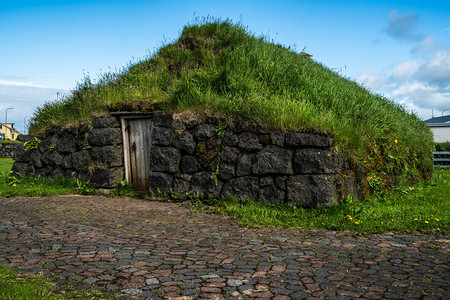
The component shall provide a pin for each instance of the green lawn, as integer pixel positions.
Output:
(14, 286)
(422, 207)
(18, 185)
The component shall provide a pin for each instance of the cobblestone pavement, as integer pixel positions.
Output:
(160, 250)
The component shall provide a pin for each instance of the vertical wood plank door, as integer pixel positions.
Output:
(138, 134)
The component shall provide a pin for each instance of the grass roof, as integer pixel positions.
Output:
(219, 69)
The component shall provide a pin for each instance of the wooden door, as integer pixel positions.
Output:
(137, 140)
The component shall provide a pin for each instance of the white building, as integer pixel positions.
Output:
(440, 126)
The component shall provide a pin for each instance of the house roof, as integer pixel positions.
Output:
(9, 127)
(443, 121)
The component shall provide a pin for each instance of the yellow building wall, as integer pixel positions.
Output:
(5, 128)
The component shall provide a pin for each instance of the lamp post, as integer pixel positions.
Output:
(25, 124)
(6, 114)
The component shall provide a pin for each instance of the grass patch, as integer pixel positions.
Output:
(422, 207)
(219, 69)
(18, 286)
(18, 185)
(9, 142)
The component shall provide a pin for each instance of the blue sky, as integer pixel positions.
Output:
(400, 49)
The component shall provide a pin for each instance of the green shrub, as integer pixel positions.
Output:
(445, 146)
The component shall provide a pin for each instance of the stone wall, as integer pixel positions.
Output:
(8, 149)
(93, 153)
(205, 159)
(213, 160)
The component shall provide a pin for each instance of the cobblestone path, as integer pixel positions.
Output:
(160, 250)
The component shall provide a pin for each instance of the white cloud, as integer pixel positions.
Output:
(18, 83)
(406, 69)
(403, 27)
(24, 98)
(427, 45)
(436, 70)
(421, 86)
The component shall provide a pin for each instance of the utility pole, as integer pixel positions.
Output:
(6, 114)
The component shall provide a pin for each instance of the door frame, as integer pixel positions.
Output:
(125, 117)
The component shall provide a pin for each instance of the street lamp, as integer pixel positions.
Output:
(25, 124)
(6, 114)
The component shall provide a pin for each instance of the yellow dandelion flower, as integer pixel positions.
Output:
(357, 222)
(14, 184)
(437, 219)
(10, 172)
(427, 222)
(396, 141)
(415, 219)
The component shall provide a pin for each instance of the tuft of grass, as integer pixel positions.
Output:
(422, 207)
(35, 287)
(220, 69)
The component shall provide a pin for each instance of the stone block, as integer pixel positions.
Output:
(35, 158)
(265, 181)
(249, 141)
(204, 131)
(180, 186)
(106, 178)
(272, 194)
(312, 190)
(66, 144)
(161, 136)
(162, 119)
(273, 160)
(226, 172)
(280, 182)
(43, 171)
(164, 159)
(160, 182)
(204, 184)
(299, 139)
(52, 158)
(19, 167)
(185, 142)
(277, 138)
(105, 122)
(56, 174)
(189, 164)
(25, 138)
(105, 136)
(230, 155)
(244, 166)
(316, 161)
(49, 141)
(21, 155)
(112, 156)
(242, 188)
(31, 170)
(230, 139)
(80, 160)
(67, 162)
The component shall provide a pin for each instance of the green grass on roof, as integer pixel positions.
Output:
(217, 68)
